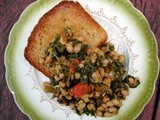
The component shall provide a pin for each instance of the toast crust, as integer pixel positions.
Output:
(65, 14)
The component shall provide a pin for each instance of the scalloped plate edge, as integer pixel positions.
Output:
(17, 96)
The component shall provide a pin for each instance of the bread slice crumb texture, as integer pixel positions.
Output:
(66, 14)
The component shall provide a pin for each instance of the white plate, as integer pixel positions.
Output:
(127, 29)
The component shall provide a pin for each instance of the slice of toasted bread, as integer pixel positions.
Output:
(65, 14)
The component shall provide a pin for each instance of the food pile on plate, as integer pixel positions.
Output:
(86, 73)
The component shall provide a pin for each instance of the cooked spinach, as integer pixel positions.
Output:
(116, 65)
(108, 47)
(58, 49)
(64, 70)
(82, 53)
(87, 71)
(99, 102)
(118, 86)
(74, 41)
(87, 112)
(121, 76)
(46, 52)
(83, 64)
(136, 82)
(112, 96)
(74, 55)
(99, 61)
(111, 47)
(53, 81)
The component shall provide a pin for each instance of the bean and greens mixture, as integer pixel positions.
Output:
(91, 81)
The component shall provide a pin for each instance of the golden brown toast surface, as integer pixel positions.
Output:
(65, 14)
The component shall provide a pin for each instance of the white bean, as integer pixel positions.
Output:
(77, 48)
(110, 103)
(68, 97)
(93, 59)
(69, 47)
(107, 114)
(104, 105)
(63, 91)
(98, 113)
(113, 109)
(62, 59)
(97, 94)
(100, 53)
(72, 105)
(96, 77)
(107, 81)
(89, 51)
(131, 80)
(90, 106)
(61, 75)
(81, 106)
(62, 41)
(47, 87)
(115, 102)
(81, 65)
(81, 101)
(125, 92)
(105, 99)
(81, 38)
(100, 108)
(121, 58)
(85, 98)
(56, 78)
(114, 55)
(62, 84)
(58, 68)
(101, 70)
(105, 62)
(77, 75)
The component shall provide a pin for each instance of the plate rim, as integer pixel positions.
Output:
(28, 9)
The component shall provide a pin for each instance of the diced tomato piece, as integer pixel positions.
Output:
(80, 89)
(71, 68)
(76, 61)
